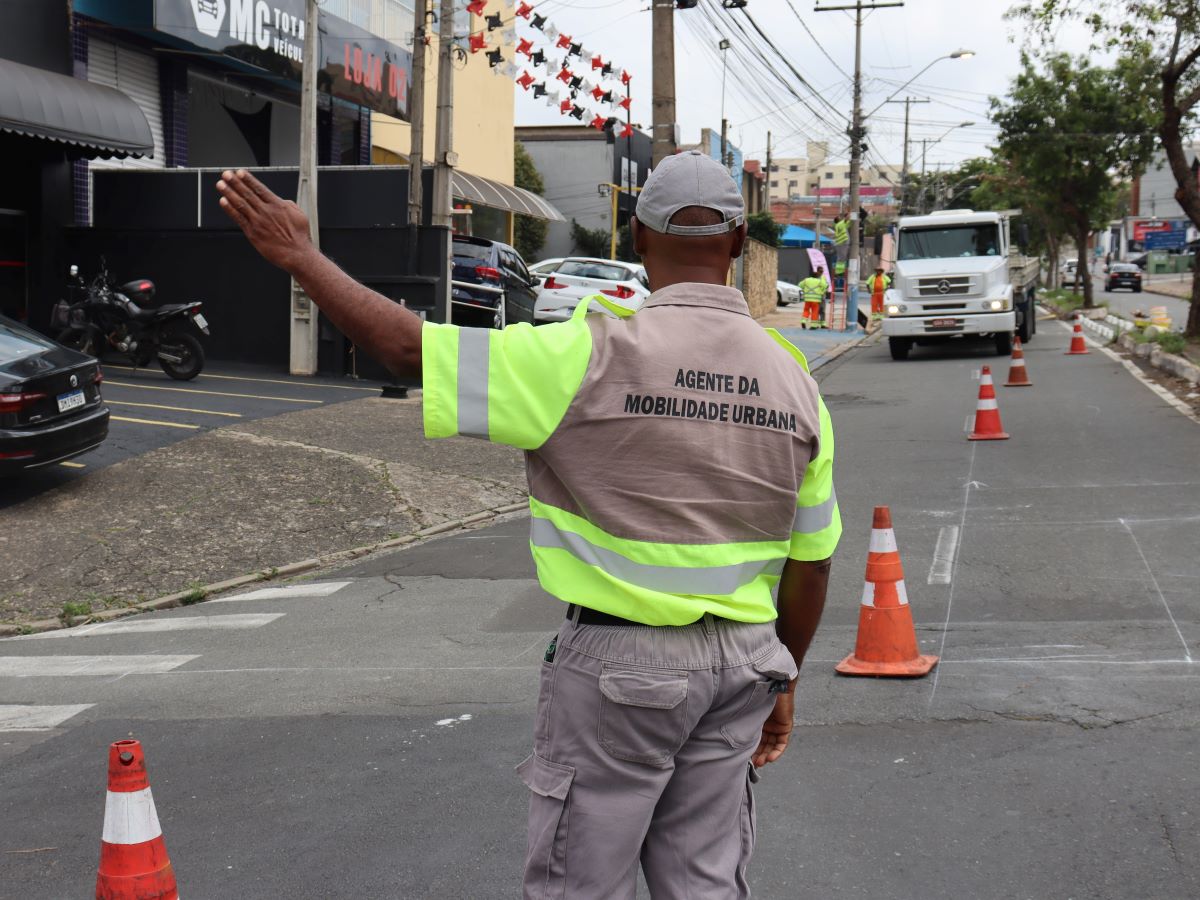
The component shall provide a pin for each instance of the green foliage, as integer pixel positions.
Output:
(1172, 342)
(73, 608)
(195, 594)
(764, 229)
(529, 234)
(590, 241)
(1070, 131)
(625, 245)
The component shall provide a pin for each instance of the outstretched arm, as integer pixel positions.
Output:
(801, 601)
(279, 231)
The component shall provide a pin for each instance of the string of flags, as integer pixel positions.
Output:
(580, 83)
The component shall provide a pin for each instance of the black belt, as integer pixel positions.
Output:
(595, 617)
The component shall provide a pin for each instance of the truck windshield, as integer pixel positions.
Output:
(955, 240)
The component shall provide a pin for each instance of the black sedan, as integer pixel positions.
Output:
(50, 404)
(1123, 275)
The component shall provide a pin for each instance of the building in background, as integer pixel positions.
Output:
(578, 165)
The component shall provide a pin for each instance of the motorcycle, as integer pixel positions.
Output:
(112, 317)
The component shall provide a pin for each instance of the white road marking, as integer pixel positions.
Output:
(316, 589)
(38, 718)
(962, 523)
(146, 625)
(1149, 571)
(943, 555)
(54, 666)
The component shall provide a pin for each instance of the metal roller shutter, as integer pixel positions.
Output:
(135, 75)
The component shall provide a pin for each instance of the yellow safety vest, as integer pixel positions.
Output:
(813, 289)
(841, 232)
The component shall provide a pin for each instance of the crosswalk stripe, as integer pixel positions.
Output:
(54, 666)
(180, 390)
(317, 589)
(38, 718)
(146, 625)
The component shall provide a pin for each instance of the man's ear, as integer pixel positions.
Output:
(738, 242)
(639, 236)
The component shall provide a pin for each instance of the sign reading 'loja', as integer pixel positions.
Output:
(355, 65)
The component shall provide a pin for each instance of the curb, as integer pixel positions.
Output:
(837, 351)
(204, 592)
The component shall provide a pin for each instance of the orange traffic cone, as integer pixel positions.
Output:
(1077, 343)
(1017, 376)
(887, 641)
(133, 856)
(987, 413)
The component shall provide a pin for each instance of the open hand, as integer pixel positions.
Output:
(776, 731)
(276, 227)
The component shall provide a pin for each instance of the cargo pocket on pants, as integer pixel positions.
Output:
(549, 813)
(745, 728)
(642, 713)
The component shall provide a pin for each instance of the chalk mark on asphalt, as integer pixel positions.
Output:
(943, 555)
(962, 524)
(1153, 580)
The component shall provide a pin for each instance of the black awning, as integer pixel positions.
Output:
(486, 192)
(100, 120)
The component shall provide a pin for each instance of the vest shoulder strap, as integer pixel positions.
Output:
(791, 348)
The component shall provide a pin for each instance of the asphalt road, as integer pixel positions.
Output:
(359, 740)
(1125, 302)
(150, 410)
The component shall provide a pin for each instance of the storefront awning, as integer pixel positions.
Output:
(485, 192)
(101, 120)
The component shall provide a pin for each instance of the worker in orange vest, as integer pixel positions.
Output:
(877, 284)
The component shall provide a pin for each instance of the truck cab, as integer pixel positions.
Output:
(957, 275)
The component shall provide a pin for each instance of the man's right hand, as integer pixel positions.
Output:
(276, 227)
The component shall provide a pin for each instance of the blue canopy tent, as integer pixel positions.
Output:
(798, 236)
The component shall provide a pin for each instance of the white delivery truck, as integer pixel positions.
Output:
(958, 275)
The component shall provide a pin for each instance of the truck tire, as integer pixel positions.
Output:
(899, 347)
(1004, 343)
(1026, 330)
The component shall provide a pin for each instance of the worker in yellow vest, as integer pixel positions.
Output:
(813, 291)
(841, 236)
(877, 284)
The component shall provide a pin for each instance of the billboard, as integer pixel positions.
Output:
(1160, 234)
(353, 64)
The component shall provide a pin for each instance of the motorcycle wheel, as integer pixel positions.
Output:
(81, 339)
(189, 351)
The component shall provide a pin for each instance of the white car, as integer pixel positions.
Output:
(786, 293)
(567, 281)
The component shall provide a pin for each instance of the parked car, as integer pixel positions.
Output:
(1123, 275)
(489, 277)
(573, 278)
(50, 403)
(542, 268)
(1067, 268)
(786, 293)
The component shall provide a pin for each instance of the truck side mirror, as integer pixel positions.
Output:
(1022, 235)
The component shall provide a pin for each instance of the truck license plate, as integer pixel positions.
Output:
(942, 323)
(70, 400)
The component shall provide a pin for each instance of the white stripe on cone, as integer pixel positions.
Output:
(883, 540)
(130, 818)
(987, 404)
(986, 379)
(868, 597)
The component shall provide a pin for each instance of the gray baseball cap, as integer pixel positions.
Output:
(689, 179)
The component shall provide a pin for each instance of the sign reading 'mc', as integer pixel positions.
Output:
(354, 64)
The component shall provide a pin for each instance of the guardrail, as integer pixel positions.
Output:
(499, 308)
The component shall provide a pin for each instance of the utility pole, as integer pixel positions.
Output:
(767, 183)
(857, 134)
(725, 161)
(444, 157)
(662, 101)
(416, 116)
(907, 101)
(302, 356)
(924, 141)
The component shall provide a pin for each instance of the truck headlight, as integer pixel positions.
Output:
(996, 305)
(896, 308)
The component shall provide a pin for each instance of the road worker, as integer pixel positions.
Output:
(877, 284)
(813, 291)
(841, 236)
(680, 468)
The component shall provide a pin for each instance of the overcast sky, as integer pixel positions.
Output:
(897, 43)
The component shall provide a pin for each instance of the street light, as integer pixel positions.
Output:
(957, 54)
(723, 46)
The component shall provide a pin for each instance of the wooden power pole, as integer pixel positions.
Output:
(302, 354)
(662, 104)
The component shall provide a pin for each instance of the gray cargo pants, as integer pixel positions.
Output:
(641, 751)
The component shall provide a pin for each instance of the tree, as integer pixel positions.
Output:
(763, 228)
(530, 233)
(592, 242)
(1072, 131)
(1164, 36)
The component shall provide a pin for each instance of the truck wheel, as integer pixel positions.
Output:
(1003, 343)
(899, 347)
(1026, 329)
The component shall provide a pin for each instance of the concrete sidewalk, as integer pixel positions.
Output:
(819, 346)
